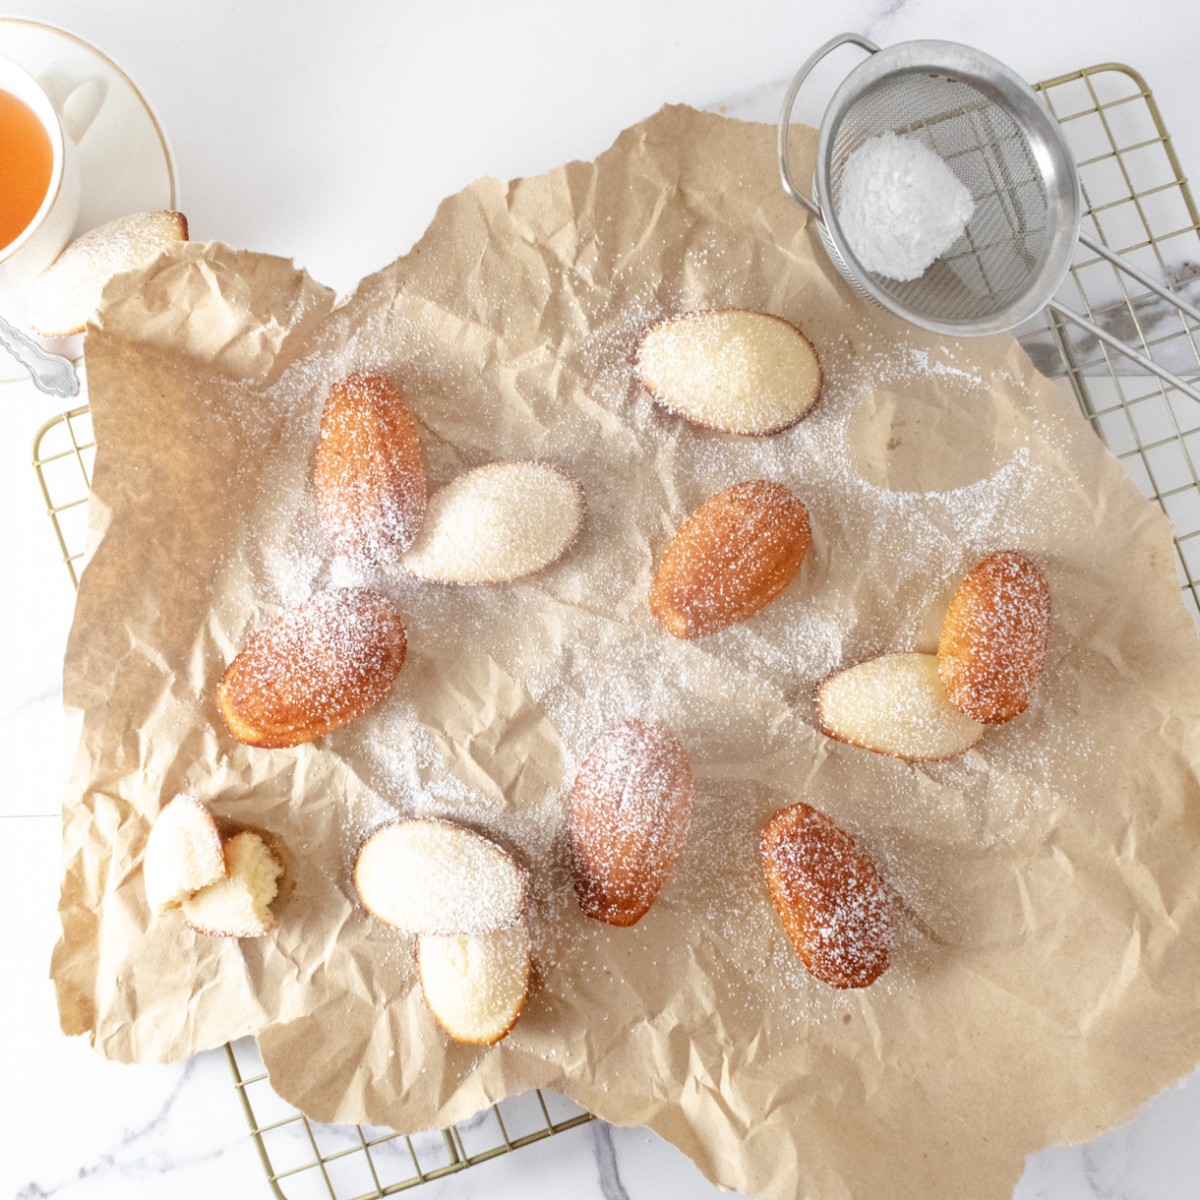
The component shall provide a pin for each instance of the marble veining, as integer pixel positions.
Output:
(1096, 1174)
(139, 1156)
(607, 1167)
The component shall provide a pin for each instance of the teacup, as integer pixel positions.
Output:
(31, 249)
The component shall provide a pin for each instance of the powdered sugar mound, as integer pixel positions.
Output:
(900, 206)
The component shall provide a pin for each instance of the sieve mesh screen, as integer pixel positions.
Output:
(1005, 243)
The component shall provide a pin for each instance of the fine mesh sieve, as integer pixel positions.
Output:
(989, 127)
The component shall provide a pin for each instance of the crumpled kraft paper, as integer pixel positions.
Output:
(1047, 970)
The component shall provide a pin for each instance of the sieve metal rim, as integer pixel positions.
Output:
(999, 83)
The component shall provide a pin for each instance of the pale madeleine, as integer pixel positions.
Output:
(65, 297)
(730, 369)
(895, 704)
(183, 853)
(497, 523)
(475, 985)
(435, 877)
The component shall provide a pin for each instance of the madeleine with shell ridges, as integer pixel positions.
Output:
(428, 876)
(730, 558)
(183, 853)
(730, 369)
(316, 667)
(368, 478)
(475, 985)
(497, 523)
(993, 644)
(834, 906)
(240, 904)
(627, 818)
(896, 705)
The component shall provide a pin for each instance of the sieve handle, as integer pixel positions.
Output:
(1123, 264)
(1111, 340)
(789, 102)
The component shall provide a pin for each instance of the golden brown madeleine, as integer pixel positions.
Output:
(993, 644)
(832, 901)
(627, 820)
(730, 558)
(368, 477)
(319, 665)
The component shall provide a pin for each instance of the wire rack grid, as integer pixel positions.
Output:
(1137, 201)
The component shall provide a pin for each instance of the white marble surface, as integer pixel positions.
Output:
(328, 132)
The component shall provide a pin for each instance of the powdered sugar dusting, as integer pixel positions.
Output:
(575, 650)
(319, 665)
(829, 896)
(993, 642)
(368, 480)
(629, 813)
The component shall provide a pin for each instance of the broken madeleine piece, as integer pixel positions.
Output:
(240, 904)
(627, 819)
(896, 705)
(66, 295)
(475, 985)
(497, 523)
(833, 904)
(316, 667)
(368, 478)
(993, 644)
(183, 853)
(428, 876)
(731, 369)
(730, 558)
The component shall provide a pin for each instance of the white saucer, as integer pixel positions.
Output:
(125, 159)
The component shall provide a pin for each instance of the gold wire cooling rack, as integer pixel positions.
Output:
(1137, 201)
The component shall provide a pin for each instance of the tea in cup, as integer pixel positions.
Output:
(28, 164)
(39, 200)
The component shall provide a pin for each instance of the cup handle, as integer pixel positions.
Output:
(78, 100)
